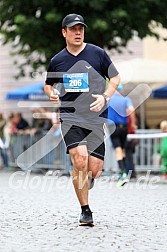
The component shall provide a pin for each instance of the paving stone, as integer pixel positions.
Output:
(40, 214)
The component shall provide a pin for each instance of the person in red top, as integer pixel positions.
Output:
(130, 146)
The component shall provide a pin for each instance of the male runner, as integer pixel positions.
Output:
(81, 70)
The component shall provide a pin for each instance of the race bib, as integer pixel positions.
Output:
(76, 82)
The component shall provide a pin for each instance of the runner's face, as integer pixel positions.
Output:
(74, 35)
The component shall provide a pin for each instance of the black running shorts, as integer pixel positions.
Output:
(84, 134)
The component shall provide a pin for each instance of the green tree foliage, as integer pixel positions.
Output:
(34, 26)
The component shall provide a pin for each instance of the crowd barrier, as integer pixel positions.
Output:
(146, 155)
(47, 154)
(147, 151)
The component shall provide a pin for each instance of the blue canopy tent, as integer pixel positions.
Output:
(160, 92)
(29, 92)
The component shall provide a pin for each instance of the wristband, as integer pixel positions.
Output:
(106, 98)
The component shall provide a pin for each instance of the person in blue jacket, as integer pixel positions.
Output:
(119, 107)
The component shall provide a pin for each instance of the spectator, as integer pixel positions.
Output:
(42, 120)
(9, 129)
(3, 149)
(21, 123)
(130, 147)
(47, 118)
(163, 150)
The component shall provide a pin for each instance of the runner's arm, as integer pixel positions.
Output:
(53, 94)
(101, 100)
(112, 86)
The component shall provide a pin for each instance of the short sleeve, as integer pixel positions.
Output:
(108, 67)
(50, 80)
(128, 102)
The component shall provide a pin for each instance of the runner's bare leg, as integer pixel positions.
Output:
(79, 158)
(95, 166)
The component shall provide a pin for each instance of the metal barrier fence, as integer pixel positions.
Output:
(146, 155)
(52, 156)
(147, 151)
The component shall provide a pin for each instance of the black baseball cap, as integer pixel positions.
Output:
(72, 19)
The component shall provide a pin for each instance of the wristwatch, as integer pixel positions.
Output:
(106, 98)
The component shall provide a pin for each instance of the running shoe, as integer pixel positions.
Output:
(123, 180)
(86, 218)
(91, 182)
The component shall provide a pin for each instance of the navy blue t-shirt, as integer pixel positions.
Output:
(95, 66)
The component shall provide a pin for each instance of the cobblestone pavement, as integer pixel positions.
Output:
(40, 214)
